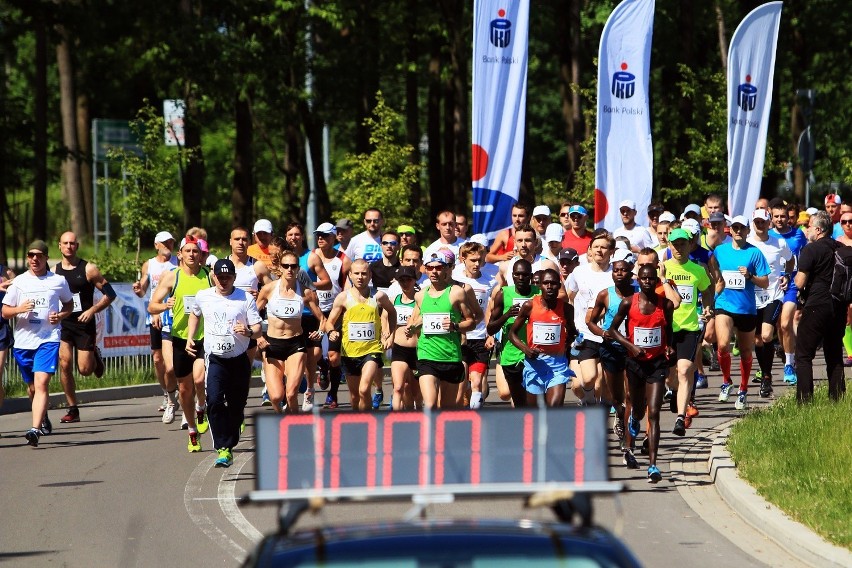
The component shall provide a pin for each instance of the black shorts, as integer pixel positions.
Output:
(685, 344)
(156, 338)
(770, 312)
(447, 372)
(654, 371)
(402, 354)
(310, 324)
(743, 322)
(589, 350)
(354, 365)
(474, 351)
(183, 361)
(79, 335)
(613, 356)
(281, 348)
(336, 345)
(514, 374)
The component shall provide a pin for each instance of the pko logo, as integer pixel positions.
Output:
(623, 83)
(501, 30)
(747, 95)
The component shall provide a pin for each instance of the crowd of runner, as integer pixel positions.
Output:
(566, 314)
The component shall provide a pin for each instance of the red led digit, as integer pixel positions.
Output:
(387, 445)
(528, 447)
(579, 446)
(475, 421)
(336, 425)
(284, 427)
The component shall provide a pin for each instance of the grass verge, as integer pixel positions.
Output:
(117, 378)
(799, 459)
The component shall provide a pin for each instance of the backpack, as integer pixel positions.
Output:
(841, 278)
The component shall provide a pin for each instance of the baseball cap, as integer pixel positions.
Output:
(482, 239)
(667, 217)
(263, 226)
(344, 223)
(541, 210)
(162, 237)
(326, 229)
(811, 210)
(224, 266)
(804, 217)
(655, 208)
(554, 232)
(624, 255)
(679, 234)
(403, 229)
(629, 203)
(761, 214)
(691, 208)
(833, 198)
(200, 243)
(568, 255)
(717, 217)
(406, 272)
(739, 220)
(38, 245)
(577, 209)
(444, 256)
(691, 226)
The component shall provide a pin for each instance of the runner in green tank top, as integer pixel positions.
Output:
(441, 314)
(506, 304)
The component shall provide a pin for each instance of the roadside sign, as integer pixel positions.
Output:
(109, 133)
(174, 111)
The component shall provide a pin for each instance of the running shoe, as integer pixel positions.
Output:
(169, 414)
(714, 361)
(618, 427)
(73, 415)
(201, 421)
(644, 450)
(779, 352)
(654, 475)
(700, 380)
(790, 375)
(330, 402)
(634, 426)
(194, 444)
(184, 425)
(308, 403)
(225, 459)
(679, 427)
(757, 378)
(629, 460)
(687, 421)
(264, 398)
(378, 398)
(766, 387)
(47, 425)
(99, 363)
(668, 395)
(165, 403)
(741, 403)
(32, 436)
(691, 410)
(242, 426)
(323, 380)
(735, 350)
(725, 391)
(847, 362)
(673, 403)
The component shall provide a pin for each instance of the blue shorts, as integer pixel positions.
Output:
(41, 360)
(544, 372)
(791, 293)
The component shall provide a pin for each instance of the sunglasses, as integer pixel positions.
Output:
(324, 235)
(390, 243)
(846, 221)
(576, 215)
(565, 214)
(35, 254)
(372, 220)
(434, 267)
(406, 234)
(290, 266)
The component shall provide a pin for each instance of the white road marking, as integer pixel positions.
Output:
(228, 501)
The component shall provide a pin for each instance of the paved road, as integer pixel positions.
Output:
(120, 489)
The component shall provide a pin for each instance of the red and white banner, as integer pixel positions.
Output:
(624, 157)
(751, 67)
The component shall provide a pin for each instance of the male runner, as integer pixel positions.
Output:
(638, 235)
(526, 244)
(78, 329)
(503, 247)
(367, 244)
(445, 222)
(263, 233)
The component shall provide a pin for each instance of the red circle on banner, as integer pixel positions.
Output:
(601, 206)
(501, 12)
(478, 161)
(748, 78)
(624, 66)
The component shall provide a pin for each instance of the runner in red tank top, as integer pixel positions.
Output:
(649, 330)
(503, 247)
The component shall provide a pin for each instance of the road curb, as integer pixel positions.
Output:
(794, 537)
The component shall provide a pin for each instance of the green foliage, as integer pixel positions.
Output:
(383, 178)
(116, 267)
(584, 179)
(152, 183)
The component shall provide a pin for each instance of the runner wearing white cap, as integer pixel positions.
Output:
(638, 235)
(263, 234)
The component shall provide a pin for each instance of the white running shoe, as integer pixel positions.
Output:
(164, 404)
(308, 403)
(169, 413)
(476, 400)
(184, 425)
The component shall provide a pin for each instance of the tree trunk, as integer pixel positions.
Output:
(192, 181)
(568, 54)
(242, 193)
(71, 152)
(84, 140)
(412, 115)
(39, 225)
(460, 175)
(723, 35)
(435, 165)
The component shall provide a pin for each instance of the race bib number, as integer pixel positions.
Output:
(481, 297)
(734, 279)
(687, 294)
(433, 324)
(402, 314)
(188, 304)
(520, 301)
(761, 296)
(78, 305)
(40, 307)
(362, 331)
(222, 344)
(648, 336)
(325, 296)
(283, 308)
(546, 333)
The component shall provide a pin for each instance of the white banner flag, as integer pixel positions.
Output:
(500, 32)
(751, 66)
(624, 158)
